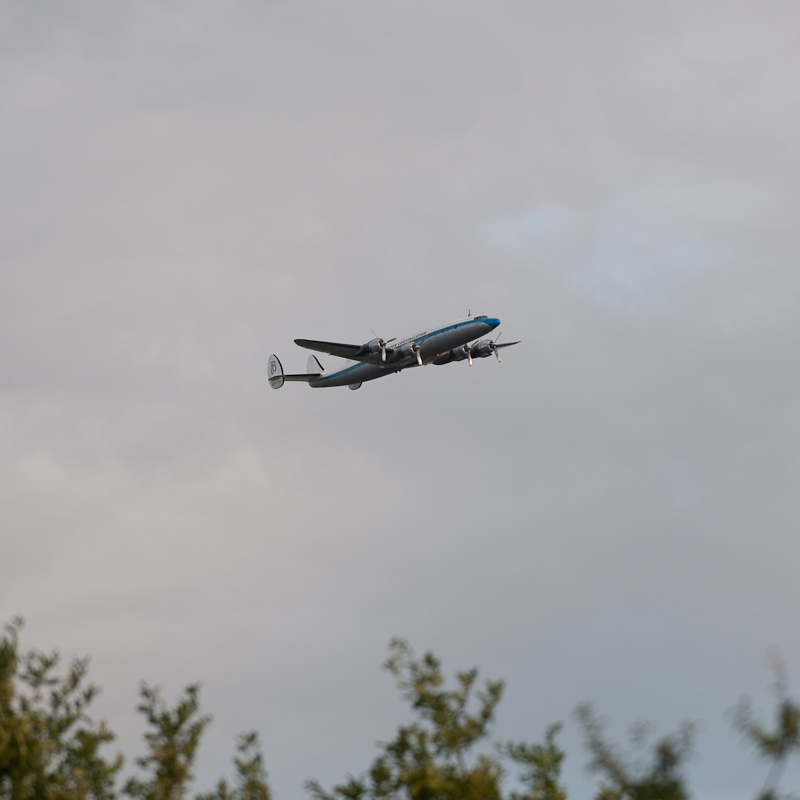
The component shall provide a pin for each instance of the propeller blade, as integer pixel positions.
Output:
(419, 358)
(494, 347)
(469, 355)
(383, 346)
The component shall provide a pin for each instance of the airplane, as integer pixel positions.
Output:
(440, 344)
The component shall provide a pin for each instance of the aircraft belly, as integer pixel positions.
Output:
(357, 374)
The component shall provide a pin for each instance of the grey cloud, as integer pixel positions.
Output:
(608, 514)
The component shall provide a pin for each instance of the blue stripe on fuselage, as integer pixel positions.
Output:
(431, 344)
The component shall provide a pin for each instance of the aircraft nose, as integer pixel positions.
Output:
(492, 323)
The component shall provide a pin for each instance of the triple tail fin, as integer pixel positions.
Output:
(277, 376)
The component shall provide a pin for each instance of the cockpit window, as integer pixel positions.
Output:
(482, 316)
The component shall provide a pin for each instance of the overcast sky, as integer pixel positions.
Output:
(611, 514)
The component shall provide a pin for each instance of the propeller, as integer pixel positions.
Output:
(495, 348)
(383, 346)
(465, 351)
(415, 350)
(484, 348)
(481, 349)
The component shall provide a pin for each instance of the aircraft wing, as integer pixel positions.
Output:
(353, 351)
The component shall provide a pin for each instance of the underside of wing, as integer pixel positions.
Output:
(332, 348)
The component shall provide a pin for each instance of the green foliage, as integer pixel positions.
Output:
(541, 767)
(49, 746)
(250, 774)
(172, 740)
(660, 777)
(51, 749)
(172, 743)
(778, 745)
(432, 757)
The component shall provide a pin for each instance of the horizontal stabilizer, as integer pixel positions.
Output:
(331, 348)
(276, 376)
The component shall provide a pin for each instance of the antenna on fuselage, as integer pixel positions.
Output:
(469, 312)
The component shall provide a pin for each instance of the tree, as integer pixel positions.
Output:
(250, 774)
(434, 757)
(541, 767)
(778, 745)
(49, 745)
(430, 758)
(658, 778)
(172, 741)
(51, 748)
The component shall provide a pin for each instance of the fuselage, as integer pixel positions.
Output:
(432, 343)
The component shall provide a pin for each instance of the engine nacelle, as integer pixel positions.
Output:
(373, 347)
(402, 353)
(379, 347)
(482, 350)
(457, 354)
(443, 358)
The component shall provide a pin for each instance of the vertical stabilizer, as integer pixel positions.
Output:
(313, 367)
(275, 372)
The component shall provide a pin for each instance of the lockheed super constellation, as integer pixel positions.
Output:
(440, 344)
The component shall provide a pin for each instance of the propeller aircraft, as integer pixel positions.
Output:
(440, 344)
